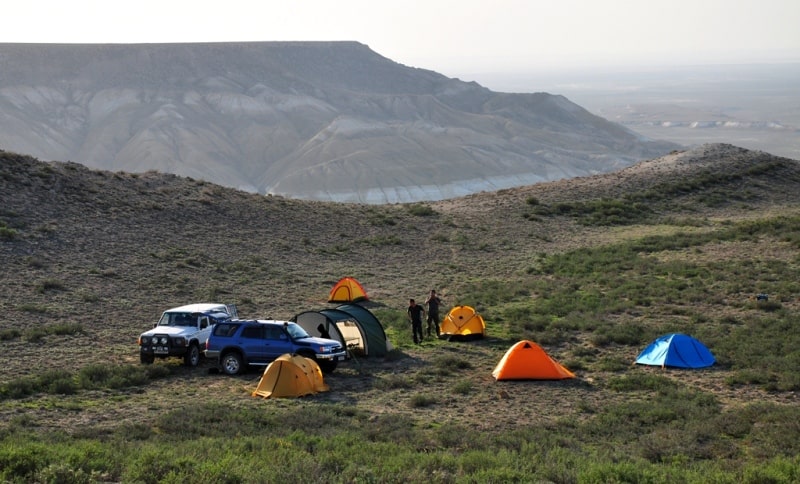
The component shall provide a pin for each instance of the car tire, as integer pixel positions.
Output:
(146, 359)
(231, 363)
(324, 365)
(192, 356)
(327, 366)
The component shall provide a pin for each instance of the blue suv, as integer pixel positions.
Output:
(237, 343)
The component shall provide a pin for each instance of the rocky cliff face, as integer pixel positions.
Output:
(311, 120)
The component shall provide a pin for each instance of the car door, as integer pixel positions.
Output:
(205, 329)
(278, 342)
(255, 344)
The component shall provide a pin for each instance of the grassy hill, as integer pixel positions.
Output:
(590, 268)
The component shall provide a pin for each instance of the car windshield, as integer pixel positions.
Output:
(177, 319)
(296, 331)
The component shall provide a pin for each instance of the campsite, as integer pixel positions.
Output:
(584, 269)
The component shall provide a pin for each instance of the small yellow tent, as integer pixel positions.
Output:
(462, 322)
(291, 376)
(528, 361)
(347, 290)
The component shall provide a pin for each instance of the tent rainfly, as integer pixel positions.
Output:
(347, 290)
(291, 376)
(462, 323)
(351, 324)
(676, 350)
(528, 361)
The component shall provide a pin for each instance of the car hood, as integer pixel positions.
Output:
(313, 340)
(171, 330)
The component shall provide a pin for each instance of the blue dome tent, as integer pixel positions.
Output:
(676, 350)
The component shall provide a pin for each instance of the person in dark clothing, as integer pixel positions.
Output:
(415, 315)
(433, 303)
(323, 333)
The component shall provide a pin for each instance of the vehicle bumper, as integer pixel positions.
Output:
(162, 351)
(340, 356)
(211, 354)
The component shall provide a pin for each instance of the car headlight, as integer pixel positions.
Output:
(143, 340)
(180, 341)
(163, 340)
(324, 349)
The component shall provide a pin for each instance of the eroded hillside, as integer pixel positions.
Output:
(311, 120)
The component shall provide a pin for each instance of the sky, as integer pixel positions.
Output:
(457, 38)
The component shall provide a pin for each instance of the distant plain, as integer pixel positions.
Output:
(755, 106)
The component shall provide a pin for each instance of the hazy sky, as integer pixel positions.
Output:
(455, 37)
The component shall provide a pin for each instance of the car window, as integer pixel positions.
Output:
(184, 319)
(253, 332)
(225, 329)
(164, 321)
(296, 331)
(274, 332)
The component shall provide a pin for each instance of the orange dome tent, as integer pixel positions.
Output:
(291, 376)
(462, 322)
(347, 290)
(528, 361)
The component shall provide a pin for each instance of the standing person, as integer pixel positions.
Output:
(433, 303)
(415, 315)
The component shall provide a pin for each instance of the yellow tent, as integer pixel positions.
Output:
(347, 290)
(291, 376)
(528, 361)
(462, 322)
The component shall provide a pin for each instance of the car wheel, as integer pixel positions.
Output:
(327, 366)
(231, 363)
(146, 359)
(192, 357)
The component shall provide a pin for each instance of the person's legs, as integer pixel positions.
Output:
(433, 324)
(416, 328)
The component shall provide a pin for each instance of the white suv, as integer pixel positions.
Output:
(182, 331)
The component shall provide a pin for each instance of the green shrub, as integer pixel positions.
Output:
(32, 308)
(421, 210)
(640, 382)
(62, 329)
(382, 240)
(92, 377)
(631, 334)
(20, 464)
(463, 387)
(423, 400)
(35, 335)
(451, 364)
(9, 333)
(392, 382)
(7, 233)
(50, 285)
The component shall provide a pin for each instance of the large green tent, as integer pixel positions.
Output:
(353, 325)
